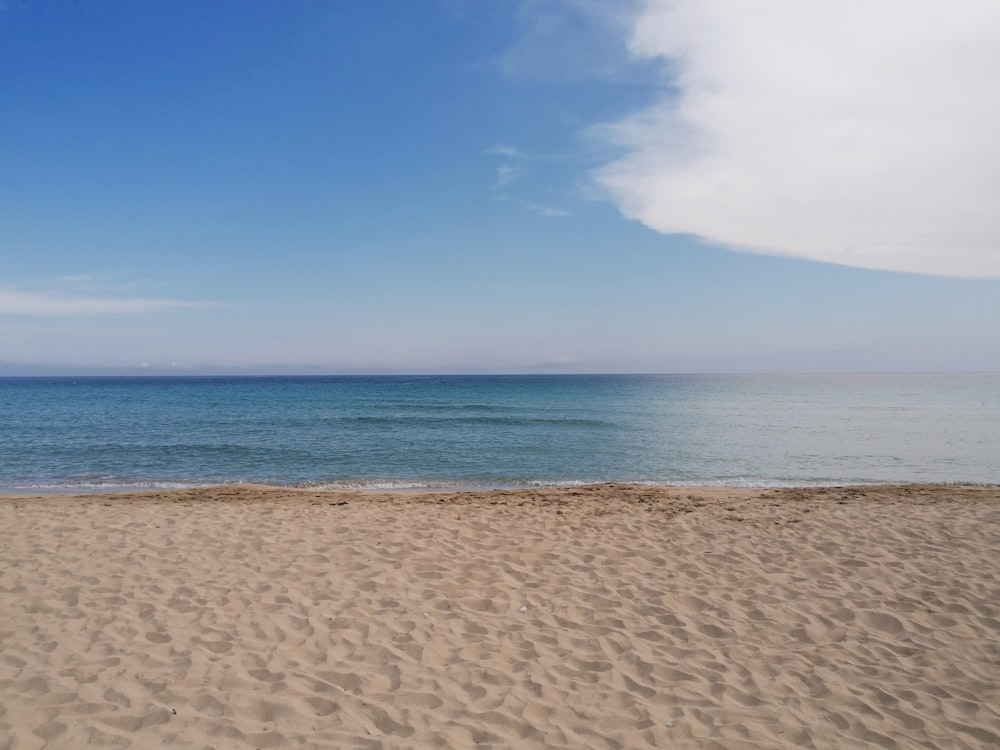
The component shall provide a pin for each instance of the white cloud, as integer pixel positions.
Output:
(18, 302)
(858, 133)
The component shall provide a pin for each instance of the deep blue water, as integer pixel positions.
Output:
(80, 433)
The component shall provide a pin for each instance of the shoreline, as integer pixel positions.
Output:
(606, 616)
(459, 489)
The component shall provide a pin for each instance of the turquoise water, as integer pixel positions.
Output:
(505, 431)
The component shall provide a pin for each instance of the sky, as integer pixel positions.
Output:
(389, 186)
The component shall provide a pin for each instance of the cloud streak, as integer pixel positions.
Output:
(47, 304)
(566, 41)
(862, 134)
(512, 172)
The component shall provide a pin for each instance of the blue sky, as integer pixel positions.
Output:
(508, 186)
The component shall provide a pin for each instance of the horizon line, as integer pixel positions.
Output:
(456, 373)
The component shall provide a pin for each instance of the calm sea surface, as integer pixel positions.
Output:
(505, 431)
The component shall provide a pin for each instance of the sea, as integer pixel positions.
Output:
(457, 431)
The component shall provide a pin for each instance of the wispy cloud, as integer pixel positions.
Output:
(551, 212)
(512, 152)
(862, 133)
(511, 167)
(14, 301)
(567, 40)
(506, 174)
(512, 170)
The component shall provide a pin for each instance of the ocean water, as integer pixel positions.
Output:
(503, 431)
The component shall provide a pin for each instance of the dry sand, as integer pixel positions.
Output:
(602, 617)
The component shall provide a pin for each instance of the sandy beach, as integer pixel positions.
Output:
(611, 616)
